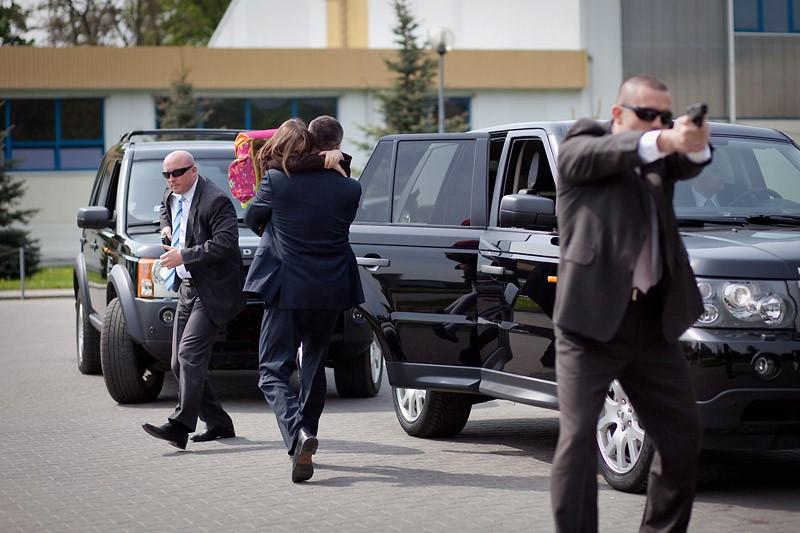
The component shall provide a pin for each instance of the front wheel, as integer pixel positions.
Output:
(624, 449)
(424, 413)
(361, 376)
(126, 368)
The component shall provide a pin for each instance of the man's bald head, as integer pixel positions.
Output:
(633, 85)
(183, 162)
(640, 95)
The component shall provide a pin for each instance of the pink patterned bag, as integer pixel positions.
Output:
(244, 176)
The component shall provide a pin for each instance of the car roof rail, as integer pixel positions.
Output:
(183, 134)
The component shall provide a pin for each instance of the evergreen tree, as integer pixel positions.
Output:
(180, 109)
(12, 236)
(409, 106)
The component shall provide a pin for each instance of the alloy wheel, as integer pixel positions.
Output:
(619, 435)
(410, 402)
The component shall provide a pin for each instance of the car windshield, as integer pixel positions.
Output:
(747, 178)
(146, 187)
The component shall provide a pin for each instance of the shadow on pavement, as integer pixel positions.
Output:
(420, 477)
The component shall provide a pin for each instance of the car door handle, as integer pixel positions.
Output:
(494, 270)
(94, 246)
(373, 263)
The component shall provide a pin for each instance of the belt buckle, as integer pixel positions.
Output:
(635, 294)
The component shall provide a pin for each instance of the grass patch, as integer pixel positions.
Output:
(57, 277)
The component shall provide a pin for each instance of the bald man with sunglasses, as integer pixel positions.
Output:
(625, 294)
(203, 263)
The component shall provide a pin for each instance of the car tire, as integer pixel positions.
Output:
(125, 364)
(361, 376)
(87, 341)
(624, 450)
(425, 414)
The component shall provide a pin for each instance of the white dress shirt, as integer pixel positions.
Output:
(180, 270)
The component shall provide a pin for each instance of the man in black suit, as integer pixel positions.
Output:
(204, 265)
(625, 294)
(306, 273)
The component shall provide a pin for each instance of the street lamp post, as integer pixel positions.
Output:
(441, 40)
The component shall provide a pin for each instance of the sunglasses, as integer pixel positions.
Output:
(649, 114)
(176, 173)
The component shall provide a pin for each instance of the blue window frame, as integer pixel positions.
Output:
(260, 113)
(766, 16)
(54, 134)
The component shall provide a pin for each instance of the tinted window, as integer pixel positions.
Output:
(225, 113)
(745, 15)
(270, 112)
(375, 182)
(433, 182)
(528, 169)
(746, 177)
(146, 187)
(776, 16)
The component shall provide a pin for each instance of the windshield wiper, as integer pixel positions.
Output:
(700, 222)
(774, 219)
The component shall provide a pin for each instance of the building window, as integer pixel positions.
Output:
(54, 134)
(457, 105)
(259, 113)
(767, 16)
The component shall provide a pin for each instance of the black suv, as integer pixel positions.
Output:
(124, 313)
(459, 238)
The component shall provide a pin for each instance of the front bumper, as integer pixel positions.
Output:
(740, 408)
(236, 346)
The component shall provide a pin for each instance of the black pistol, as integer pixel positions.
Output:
(697, 113)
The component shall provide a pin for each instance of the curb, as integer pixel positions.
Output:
(33, 294)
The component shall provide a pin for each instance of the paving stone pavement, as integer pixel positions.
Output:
(73, 460)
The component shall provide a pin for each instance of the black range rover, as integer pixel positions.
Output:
(124, 312)
(459, 240)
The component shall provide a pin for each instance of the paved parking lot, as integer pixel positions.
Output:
(73, 460)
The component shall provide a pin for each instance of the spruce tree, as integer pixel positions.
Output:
(409, 105)
(12, 236)
(180, 109)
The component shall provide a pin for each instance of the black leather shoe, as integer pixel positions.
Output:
(302, 465)
(169, 432)
(214, 434)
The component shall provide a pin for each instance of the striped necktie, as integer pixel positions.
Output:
(176, 238)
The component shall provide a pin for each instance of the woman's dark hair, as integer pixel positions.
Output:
(289, 142)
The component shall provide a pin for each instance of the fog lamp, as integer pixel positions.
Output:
(765, 366)
(358, 316)
(167, 316)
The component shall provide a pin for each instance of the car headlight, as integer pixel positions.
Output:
(743, 304)
(151, 279)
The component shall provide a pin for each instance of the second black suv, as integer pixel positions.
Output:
(124, 314)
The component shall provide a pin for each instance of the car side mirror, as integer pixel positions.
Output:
(94, 218)
(527, 211)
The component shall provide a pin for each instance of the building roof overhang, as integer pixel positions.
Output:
(222, 69)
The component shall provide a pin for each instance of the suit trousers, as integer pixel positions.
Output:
(655, 375)
(192, 338)
(282, 332)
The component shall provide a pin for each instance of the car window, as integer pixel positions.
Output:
(746, 177)
(528, 170)
(100, 195)
(146, 187)
(433, 182)
(376, 182)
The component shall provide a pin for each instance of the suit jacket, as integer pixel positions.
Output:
(304, 259)
(603, 218)
(211, 251)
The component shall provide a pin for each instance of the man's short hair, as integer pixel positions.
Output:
(326, 132)
(640, 80)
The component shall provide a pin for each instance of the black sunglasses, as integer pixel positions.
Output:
(649, 114)
(175, 173)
